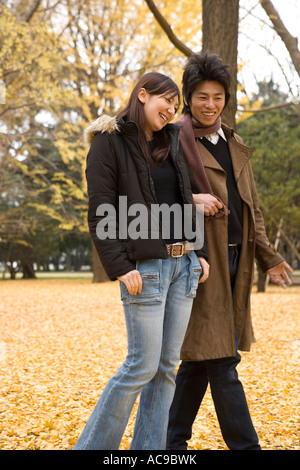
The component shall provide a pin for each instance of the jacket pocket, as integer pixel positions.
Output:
(195, 271)
(150, 271)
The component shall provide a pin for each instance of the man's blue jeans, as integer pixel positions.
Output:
(227, 393)
(156, 322)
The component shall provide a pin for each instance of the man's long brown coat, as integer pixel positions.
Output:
(217, 313)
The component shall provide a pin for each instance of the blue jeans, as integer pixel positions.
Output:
(156, 322)
(227, 393)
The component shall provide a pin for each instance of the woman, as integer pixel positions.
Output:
(137, 158)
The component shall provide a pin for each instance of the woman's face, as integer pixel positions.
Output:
(159, 110)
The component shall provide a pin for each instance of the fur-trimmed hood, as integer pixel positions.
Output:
(103, 124)
(110, 125)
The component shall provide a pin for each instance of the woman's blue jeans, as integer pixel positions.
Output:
(156, 322)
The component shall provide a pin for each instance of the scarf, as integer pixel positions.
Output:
(189, 132)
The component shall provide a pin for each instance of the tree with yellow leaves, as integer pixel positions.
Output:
(63, 64)
(32, 192)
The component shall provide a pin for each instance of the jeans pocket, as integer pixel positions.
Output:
(150, 271)
(195, 271)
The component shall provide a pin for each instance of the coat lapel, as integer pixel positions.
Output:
(208, 160)
(240, 154)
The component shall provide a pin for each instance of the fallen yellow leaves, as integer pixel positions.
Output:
(61, 340)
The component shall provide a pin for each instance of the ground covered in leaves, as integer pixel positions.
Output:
(61, 340)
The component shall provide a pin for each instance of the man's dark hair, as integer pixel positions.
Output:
(200, 68)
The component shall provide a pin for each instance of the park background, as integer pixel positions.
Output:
(63, 64)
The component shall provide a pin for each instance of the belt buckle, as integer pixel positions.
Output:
(181, 251)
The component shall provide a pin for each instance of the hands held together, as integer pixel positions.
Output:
(210, 203)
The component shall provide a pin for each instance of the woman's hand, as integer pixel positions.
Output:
(210, 202)
(133, 281)
(205, 270)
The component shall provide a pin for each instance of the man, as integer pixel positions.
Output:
(220, 323)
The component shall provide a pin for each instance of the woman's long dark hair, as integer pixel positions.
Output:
(155, 84)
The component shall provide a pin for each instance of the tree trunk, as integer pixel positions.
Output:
(98, 270)
(28, 271)
(220, 36)
(276, 244)
(261, 280)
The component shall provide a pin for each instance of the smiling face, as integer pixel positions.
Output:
(207, 102)
(159, 110)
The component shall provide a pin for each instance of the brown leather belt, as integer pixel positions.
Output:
(179, 249)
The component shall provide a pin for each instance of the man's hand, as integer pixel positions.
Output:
(279, 275)
(205, 270)
(133, 281)
(211, 203)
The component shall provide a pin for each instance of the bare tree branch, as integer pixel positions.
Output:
(270, 108)
(290, 41)
(168, 30)
(31, 10)
(287, 79)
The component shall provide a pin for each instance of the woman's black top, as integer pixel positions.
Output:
(167, 192)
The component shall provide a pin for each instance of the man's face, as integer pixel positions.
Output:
(207, 102)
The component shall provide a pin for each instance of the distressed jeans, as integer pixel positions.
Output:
(156, 322)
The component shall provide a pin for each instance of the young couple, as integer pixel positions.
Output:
(177, 297)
